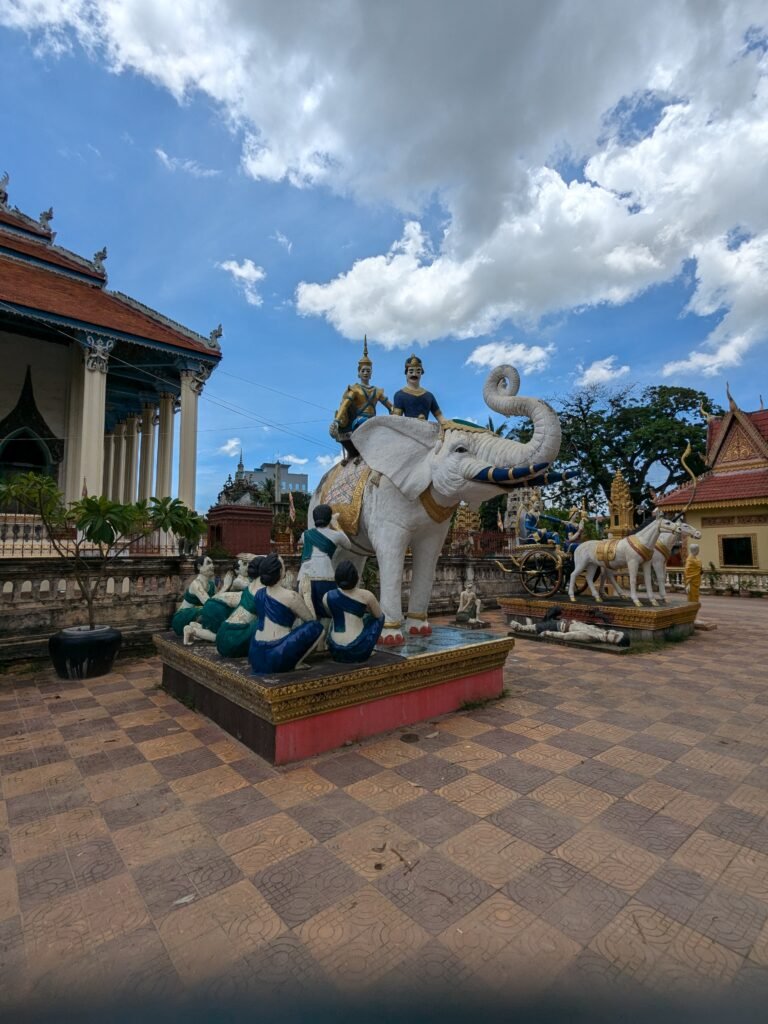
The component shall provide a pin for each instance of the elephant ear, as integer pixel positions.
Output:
(399, 448)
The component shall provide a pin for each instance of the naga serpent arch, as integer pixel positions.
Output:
(421, 471)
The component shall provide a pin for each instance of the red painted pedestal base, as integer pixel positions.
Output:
(299, 714)
(307, 736)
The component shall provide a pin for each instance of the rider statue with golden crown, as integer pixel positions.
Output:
(358, 404)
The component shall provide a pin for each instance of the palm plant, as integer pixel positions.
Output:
(90, 534)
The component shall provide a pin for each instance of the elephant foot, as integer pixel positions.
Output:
(655, 603)
(636, 601)
(572, 598)
(392, 638)
(424, 629)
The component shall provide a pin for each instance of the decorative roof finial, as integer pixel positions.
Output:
(240, 465)
(98, 259)
(761, 403)
(213, 338)
(4, 188)
(365, 360)
(731, 400)
(706, 416)
(45, 219)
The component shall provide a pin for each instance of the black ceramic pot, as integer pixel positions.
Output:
(82, 653)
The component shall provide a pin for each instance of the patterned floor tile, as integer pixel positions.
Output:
(361, 938)
(302, 885)
(264, 842)
(435, 892)
(377, 847)
(490, 853)
(384, 791)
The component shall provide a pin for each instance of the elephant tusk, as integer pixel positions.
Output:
(497, 475)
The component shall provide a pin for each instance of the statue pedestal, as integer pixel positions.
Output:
(296, 715)
(670, 621)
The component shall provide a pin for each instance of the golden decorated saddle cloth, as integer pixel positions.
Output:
(605, 552)
(342, 488)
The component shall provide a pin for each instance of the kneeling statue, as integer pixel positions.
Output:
(197, 594)
(470, 606)
(231, 630)
(279, 644)
(357, 618)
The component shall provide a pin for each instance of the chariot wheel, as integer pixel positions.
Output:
(541, 573)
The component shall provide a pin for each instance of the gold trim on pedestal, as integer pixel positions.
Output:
(289, 702)
(618, 615)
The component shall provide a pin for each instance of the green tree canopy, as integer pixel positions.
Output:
(641, 431)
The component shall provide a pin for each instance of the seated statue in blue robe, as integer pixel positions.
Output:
(356, 617)
(286, 629)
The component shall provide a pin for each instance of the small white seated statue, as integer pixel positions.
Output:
(470, 605)
(228, 606)
(570, 629)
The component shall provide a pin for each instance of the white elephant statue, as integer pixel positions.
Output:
(421, 471)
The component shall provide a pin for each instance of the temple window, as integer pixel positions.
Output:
(738, 552)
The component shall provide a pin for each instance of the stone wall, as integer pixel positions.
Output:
(38, 596)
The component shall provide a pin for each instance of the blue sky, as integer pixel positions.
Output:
(396, 183)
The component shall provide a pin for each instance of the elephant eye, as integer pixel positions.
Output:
(459, 448)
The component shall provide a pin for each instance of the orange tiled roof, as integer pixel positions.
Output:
(721, 487)
(40, 289)
(17, 219)
(48, 253)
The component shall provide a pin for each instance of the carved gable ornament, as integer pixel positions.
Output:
(737, 447)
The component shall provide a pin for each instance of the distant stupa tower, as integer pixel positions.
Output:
(622, 508)
(466, 521)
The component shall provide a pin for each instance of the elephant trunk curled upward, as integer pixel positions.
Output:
(426, 470)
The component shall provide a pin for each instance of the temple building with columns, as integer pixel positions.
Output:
(92, 379)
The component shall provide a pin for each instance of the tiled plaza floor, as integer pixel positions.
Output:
(605, 822)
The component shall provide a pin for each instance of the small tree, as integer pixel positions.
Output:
(93, 532)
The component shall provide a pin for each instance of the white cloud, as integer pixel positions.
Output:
(176, 163)
(294, 460)
(476, 129)
(529, 358)
(281, 239)
(326, 461)
(247, 275)
(231, 447)
(601, 371)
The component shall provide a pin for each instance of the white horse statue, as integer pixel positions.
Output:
(626, 553)
(661, 552)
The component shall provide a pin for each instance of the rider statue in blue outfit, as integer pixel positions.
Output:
(571, 528)
(356, 617)
(413, 400)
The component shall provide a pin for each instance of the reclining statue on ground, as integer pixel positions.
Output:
(421, 471)
(553, 624)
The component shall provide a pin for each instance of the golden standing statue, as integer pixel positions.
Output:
(692, 574)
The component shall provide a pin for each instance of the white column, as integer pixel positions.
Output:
(147, 461)
(188, 438)
(109, 461)
(90, 475)
(165, 447)
(118, 464)
(131, 459)
(74, 424)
